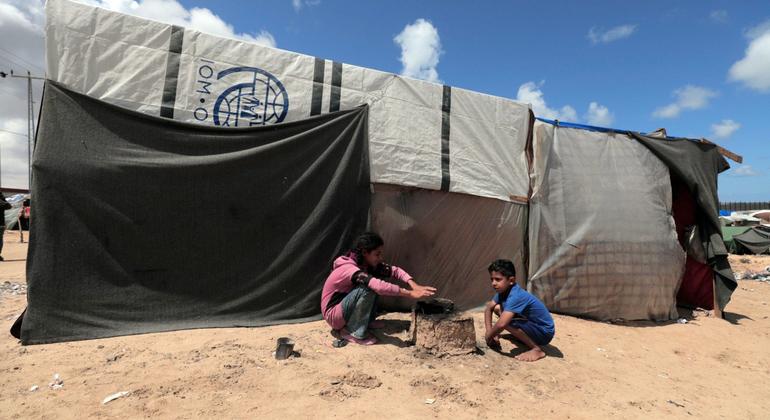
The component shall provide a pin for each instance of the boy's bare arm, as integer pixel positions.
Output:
(488, 309)
(495, 330)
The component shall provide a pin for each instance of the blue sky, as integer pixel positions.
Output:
(643, 65)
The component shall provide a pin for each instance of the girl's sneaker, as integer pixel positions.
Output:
(368, 341)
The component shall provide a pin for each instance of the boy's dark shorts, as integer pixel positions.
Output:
(537, 333)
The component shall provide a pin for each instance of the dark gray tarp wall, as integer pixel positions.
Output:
(697, 164)
(756, 240)
(447, 240)
(144, 224)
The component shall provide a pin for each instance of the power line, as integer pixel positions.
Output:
(13, 63)
(13, 132)
(8, 62)
(31, 64)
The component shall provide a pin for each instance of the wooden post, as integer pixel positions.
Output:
(717, 311)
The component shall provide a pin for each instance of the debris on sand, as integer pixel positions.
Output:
(114, 396)
(57, 382)
(675, 403)
(358, 380)
(13, 288)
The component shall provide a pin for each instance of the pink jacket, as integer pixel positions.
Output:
(340, 283)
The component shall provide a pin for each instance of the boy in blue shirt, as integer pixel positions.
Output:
(521, 314)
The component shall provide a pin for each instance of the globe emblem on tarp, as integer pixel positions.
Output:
(256, 98)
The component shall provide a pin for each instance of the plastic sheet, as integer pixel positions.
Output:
(447, 240)
(603, 242)
(422, 134)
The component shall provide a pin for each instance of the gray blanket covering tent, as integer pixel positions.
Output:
(696, 164)
(144, 224)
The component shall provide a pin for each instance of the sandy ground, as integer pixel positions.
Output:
(707, 368)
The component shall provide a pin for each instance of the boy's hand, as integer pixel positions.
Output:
(494, 343)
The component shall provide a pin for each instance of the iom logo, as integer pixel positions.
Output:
(255, 97)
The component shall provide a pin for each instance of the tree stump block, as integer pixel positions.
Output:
(438, 330)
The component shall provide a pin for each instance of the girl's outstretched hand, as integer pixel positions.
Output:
(419, 292)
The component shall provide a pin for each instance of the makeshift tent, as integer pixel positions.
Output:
(602, 239)
(434, 152)
(12, 214)
(447, 174)
(423, 136)
(607, 210)
(755, 240)
(729, 232)
(763, 215)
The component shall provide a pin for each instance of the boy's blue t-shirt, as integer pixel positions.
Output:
(521, 302)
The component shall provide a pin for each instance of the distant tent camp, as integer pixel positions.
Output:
(755, 240)
(142, 120)
(728, 235)
(763, 215)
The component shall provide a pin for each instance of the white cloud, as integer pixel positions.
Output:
(597, 36)
(173, 12)
(420, 50)
(724, 129)
(759, 30)
(744, 170)
(753, 70)
(530, 93)
(689, 97)
(599, 115)
(299, 4)
(719, 16)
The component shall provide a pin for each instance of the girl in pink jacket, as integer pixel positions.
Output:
(349, 297)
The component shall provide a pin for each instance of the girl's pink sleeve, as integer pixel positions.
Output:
(383, 288)
(400, 274)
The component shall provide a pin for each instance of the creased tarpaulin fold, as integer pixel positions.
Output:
(144, 224)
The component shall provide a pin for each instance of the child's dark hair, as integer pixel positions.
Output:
(368, 241)
(504, 267)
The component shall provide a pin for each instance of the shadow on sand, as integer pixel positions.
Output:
(388, 334)
(549, 349)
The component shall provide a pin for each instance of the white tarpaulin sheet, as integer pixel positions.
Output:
(603, 242)
(421, 134)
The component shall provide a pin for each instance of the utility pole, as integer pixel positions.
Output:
(30, 118)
